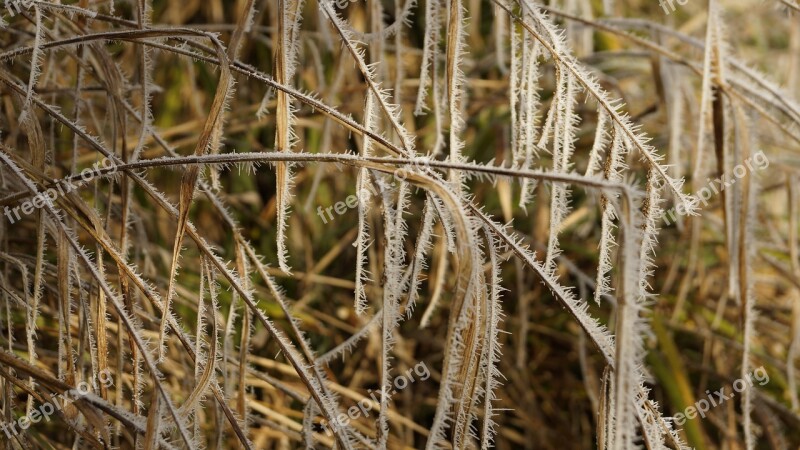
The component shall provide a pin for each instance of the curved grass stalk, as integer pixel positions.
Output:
(164, 204)
(208, 141)
(121, 312)
(470, 351)
(391, 111)
(561, 56)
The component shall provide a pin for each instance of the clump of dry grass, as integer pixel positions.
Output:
(511, 163)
